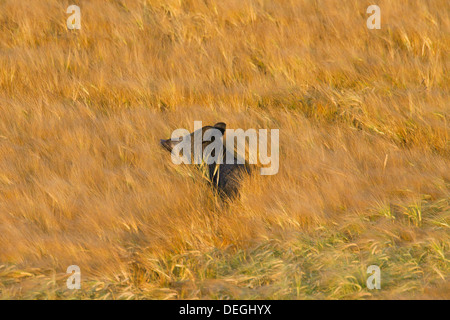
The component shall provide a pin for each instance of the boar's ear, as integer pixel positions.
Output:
(221, 126)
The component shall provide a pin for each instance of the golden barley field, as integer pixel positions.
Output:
(364, 173)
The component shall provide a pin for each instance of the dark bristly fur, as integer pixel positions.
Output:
(226, 178)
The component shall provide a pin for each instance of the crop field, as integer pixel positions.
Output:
(364, 167)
